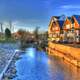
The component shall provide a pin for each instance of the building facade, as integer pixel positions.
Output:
(64, 29)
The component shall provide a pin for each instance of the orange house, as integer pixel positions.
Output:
(67, 24)
(76, 27)
(67, 36)
(75, 21)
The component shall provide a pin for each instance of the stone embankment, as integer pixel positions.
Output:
(71, 54)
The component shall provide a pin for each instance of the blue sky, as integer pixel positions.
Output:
(31, 13)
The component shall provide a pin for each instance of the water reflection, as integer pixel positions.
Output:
(36, 65)
(30, 52)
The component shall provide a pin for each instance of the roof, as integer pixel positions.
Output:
(52, 18)
(77, 18)
(62, 17)
(61, 22)
(69, 18)
(56, 17)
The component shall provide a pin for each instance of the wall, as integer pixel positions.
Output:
(68, 53)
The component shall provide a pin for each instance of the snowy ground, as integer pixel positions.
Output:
(6, 51)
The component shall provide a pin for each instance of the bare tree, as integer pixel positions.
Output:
(10, 25)
(36, 33)
(1, 27)
(22, 37)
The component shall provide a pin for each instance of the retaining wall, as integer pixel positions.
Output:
(68, 53)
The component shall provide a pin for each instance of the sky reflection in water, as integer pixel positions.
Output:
(36, 65)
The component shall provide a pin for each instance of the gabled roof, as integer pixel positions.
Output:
(56, 17)
(52, 18)
(63, 17)
(77, 18)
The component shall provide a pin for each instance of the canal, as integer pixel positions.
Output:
(37, 65)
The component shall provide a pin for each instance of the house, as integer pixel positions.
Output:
(55, 28)
(71, 29)
(51, 29)
(67, 24)
(67, 34)
(75, 19)
(62, 28)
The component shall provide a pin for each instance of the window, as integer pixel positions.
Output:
(50, 35)
(68, 26)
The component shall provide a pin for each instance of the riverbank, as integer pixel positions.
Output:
(69, 53)
(6, 52)
(10, 73)
(28, 65)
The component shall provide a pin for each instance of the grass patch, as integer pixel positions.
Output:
(7, 41)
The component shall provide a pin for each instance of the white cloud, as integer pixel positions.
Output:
(70, 7)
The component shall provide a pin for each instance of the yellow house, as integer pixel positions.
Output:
(55, 28)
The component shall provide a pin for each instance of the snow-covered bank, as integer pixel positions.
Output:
(7, 51)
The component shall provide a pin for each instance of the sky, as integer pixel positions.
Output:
(28, 14)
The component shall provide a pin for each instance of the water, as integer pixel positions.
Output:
(36, 65)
